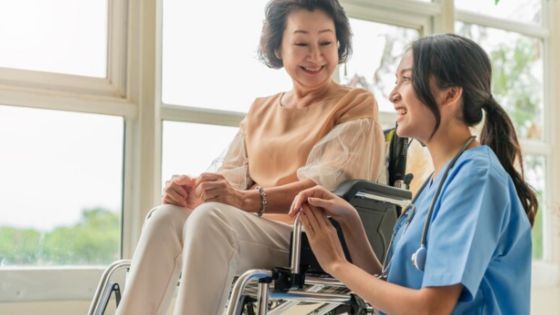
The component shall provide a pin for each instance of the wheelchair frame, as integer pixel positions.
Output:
(288, 283)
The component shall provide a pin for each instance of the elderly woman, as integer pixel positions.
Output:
(217, 225)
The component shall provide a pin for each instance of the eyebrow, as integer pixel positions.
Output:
(321, 31)
(405, 70)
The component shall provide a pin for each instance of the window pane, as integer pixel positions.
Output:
(60, 189)
(535, 174)
(528, 11)
(517, 78)
(191, 149)
(64, 36)
(378, 49)
(210, 56)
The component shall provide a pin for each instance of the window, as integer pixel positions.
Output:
(517, 66)
(185, 154)
(535, 172)
(378, 49)
(213, 64)
(518, 76)
(61, 187)
(62, 36)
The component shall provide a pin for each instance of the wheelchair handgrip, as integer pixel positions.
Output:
(296, 246)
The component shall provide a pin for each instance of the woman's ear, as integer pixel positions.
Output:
(451, 95)
(278, 54)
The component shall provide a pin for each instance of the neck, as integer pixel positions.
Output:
(445, 144)
(301, 97)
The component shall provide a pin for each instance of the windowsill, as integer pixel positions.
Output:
(79, 282)
(23, 284)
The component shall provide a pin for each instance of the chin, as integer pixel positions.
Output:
(402, 131)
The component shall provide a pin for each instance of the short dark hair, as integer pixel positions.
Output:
(456, 61)
(276, 12)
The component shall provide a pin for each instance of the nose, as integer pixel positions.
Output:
(315, 53)
(394, 96)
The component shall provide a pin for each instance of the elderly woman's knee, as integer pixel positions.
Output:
(210, 214)
(165, 215)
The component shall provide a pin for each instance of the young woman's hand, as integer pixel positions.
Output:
(215, 187)
(179, 191)
(322, 238)
(319, 197)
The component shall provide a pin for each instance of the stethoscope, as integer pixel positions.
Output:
(419, 257)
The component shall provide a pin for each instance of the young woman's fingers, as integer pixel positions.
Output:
(320, 203)
(309, 229)
(301, 198)
(311, 215)
(320, 217)
(295, 207)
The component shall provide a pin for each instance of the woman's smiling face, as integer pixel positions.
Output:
(309, 49)
(414, 118)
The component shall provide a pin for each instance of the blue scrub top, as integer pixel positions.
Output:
(479, 236)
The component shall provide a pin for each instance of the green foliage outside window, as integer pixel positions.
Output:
(94, 240)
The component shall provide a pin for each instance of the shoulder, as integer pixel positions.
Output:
(263, 103)
(357, 96)
(482, 164)
(354, 103)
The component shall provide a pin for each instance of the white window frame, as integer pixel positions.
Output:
(132, 90)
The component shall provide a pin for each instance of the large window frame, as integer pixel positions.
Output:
(132, 90)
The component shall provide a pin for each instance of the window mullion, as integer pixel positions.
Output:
(117, 45)
(143, 148)
(551, 10)
(444, 22)
(201, 116)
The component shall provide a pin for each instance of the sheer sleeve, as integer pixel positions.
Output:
(351, 150)
(233, 163)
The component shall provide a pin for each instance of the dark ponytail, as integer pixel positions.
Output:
(499, 134)
(453, 60)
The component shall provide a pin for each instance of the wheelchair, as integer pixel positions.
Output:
(260, 291)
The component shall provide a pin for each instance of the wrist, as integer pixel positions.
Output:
(250, 200)
(338, 267)
(350, 221)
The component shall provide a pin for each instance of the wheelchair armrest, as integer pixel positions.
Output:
(369, 190)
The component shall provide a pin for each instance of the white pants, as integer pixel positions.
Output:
(208, 246)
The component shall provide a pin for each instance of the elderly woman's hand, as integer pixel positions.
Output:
(319, 197)
(215, 187)
(179, 191)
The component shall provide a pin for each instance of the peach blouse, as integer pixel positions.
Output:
(332, 140)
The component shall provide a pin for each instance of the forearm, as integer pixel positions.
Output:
(394, 299)
(360, 249)
(279, 198)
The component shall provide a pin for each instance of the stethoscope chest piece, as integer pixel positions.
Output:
(419, 258)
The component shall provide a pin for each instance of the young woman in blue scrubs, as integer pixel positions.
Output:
(464, 245)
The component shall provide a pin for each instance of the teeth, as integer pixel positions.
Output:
(401, 111)
(312, 69)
